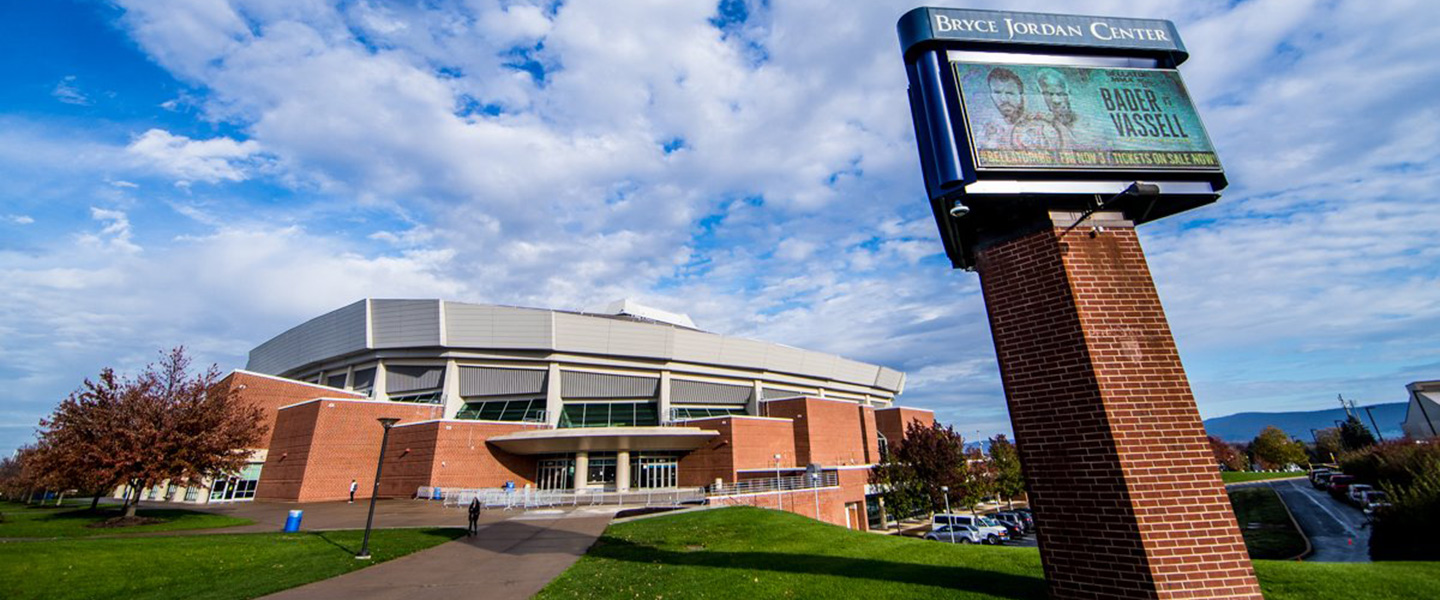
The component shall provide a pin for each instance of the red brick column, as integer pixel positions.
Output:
(1126, 495)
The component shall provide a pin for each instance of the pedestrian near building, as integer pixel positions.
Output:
(474, 527)
(353, 486)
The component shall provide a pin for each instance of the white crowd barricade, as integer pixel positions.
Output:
(530, 498)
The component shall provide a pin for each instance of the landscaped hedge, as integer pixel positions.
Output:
(1410, 474)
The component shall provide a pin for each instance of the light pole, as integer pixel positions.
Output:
(779, 496)
(1374, 424)
(945, 489)
(379, 464)
(815, 483)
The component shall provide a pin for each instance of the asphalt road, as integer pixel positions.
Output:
(1337, 530)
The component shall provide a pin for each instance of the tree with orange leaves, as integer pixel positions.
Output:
(164, 424)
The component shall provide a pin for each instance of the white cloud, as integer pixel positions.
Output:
(66, 91)
(87, 307)
(19, 219)
(211, 161)
(114, 236)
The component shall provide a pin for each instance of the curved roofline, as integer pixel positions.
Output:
(375, 324)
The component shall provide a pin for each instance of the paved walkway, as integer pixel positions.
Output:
(510, 558)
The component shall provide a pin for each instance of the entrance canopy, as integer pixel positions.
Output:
(603, 439)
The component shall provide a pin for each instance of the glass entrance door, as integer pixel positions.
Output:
(555, 474)
(602, 471)
(654, 472)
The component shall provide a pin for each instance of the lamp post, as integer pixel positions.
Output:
(815, 483)
(945, 489)
(379, 464)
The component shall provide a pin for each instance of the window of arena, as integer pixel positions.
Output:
(610, 414)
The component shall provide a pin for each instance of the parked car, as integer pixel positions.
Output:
(1372, 501)
(1023, 518)
(1316, 472)
(956, 534)
(1338, 485)
(993, 532)
(1012, 525)
(1028, 514)
(1323, 479)
(1355, 495)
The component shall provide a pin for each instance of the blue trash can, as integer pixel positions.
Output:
(435, 494)
(292, 523)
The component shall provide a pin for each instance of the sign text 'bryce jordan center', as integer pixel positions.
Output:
(1068, 30)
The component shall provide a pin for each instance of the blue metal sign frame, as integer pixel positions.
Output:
(935, 40)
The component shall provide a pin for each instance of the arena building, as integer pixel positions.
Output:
(621, 399)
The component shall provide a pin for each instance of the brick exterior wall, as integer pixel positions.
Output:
(743, 443)
(828, 432)
(290, 448)
(451, 454)
(271, 393)
(318, 447)
(893, 421)
(870, 433)
(1126, 495)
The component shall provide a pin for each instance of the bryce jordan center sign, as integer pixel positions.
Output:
(1066, 117)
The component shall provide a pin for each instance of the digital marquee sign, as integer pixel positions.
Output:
(1080, 118)
(1019, 112)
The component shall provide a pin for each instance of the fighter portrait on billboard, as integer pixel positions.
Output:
(1054, 117)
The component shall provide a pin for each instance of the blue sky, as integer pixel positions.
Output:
(210, 173)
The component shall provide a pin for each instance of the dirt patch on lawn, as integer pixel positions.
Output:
(117, 522)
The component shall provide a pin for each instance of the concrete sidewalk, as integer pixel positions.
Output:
(513, 558)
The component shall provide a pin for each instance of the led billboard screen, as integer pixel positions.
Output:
(1048, 117)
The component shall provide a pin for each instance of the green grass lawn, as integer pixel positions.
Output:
(1268, 530)
(1243, 476)
(746, 552)
(21, 521)
(200, 566)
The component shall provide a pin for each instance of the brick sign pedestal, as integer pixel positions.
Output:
(1127, 498)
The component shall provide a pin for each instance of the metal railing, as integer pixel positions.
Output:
(526, 498)
(774, 484)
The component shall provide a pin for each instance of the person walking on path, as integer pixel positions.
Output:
(474, 527)
(353, 486)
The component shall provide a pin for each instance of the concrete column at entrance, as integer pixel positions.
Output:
(664, 404)
(553, 402)
(622, 470)
(582, 470)
(377, 391)
(1126, 496)
(451, 397)
(752, 407)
